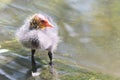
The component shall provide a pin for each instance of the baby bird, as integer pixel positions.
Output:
(38, 33)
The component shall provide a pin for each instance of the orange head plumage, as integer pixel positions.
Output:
(39, 21)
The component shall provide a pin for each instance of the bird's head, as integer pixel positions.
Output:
(38, 21)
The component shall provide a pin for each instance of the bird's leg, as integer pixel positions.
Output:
(50, 57)
(34, 68)
(51, 63)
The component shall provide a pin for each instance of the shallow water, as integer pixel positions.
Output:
(89, 30)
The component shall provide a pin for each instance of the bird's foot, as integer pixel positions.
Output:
(51, 67)
(36, 73)
(51, 63)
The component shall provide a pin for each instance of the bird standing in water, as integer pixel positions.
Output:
(38, 33)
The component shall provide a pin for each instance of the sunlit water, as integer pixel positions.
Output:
(89, 30)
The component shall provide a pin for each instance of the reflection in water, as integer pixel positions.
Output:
(70, 30)
(89, 29)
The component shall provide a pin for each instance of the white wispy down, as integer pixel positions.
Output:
(47, 38)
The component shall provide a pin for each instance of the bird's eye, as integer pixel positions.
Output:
(43, 21)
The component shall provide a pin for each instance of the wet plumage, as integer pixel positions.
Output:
(34, 38)
(38, 33)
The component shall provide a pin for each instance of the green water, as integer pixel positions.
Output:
(89, 30)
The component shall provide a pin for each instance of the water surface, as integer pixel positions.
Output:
(89, 30)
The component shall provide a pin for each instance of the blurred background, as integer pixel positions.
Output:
(90, 33)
